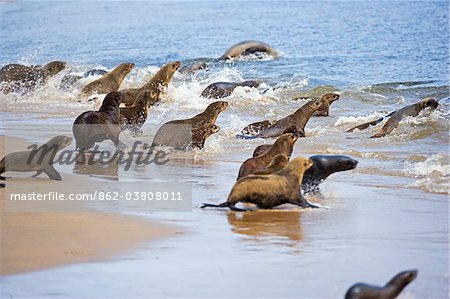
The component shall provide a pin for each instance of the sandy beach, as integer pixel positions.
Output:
(34, 241)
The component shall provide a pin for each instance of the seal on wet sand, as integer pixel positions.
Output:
(283, 145)
(96, 126)
(109, 82)
(134, 117)
(268, 191)
(323, 166)
(26, 78)
(246, 48)
(219, 90)
(188, 138)
(390, 291)
(168, 131)
(278, 162)
(40, 159)
(157, 83)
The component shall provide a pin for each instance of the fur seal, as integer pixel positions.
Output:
(327, 99)
(219, 90)
(39, 159)
(159, 81)
(283, 145)
(256, 127)
(371, 123)
(110, 81)
(187, 137)
(134, 117)
(248, 47)
(69, 80)
(268, 191)
(390, 291)
(278, 162)
(28, 77)
(195, 65)
(323, 166)
(96, 126)
(298, 119)
(168, 131)
(411, 110)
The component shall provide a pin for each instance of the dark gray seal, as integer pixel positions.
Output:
(390, 291)
(324, 166)
(219, 90)
(91, 127)
(40, 159)
(246, 48)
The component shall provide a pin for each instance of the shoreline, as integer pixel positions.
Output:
(33, 241)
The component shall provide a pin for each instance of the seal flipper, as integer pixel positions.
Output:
(52, 173)
(37, 173)
(371, 123)
(222, 205)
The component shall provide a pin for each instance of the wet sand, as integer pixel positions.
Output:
(38, 240)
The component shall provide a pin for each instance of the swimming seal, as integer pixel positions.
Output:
(268, 191)
(69, 80)
(219, 90)
(256, 127)
(324, 166)
(96, 126)
(298, 119)
(26, 78)
(411, 110)
(283, 145)
(248, 47)
(194, 65)
(109, 82)
(134, 117)
(157, 83)
(168, 131)
(390, 291)
(327, 99)
(40, 159)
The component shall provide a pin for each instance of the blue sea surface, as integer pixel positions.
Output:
(355, 42)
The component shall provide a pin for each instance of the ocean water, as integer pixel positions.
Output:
(387, 215)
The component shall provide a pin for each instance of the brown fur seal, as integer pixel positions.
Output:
(194, 65)
(283, 145)
(411, 110)
(110, 81)
(278, 162)
(28, 77)
(390, 291)
(219, 90)
(256, 127)
(327, 99)
(157, 83)
(261, 149)
(40, 159)
(248, 47)
(96, 126)
(298, 119)
(169, 130)
(268, 191)
(188, 138)
(134, 117)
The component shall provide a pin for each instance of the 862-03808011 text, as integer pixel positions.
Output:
(100, 195)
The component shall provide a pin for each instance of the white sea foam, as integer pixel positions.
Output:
(433, 173)
(342, 120)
